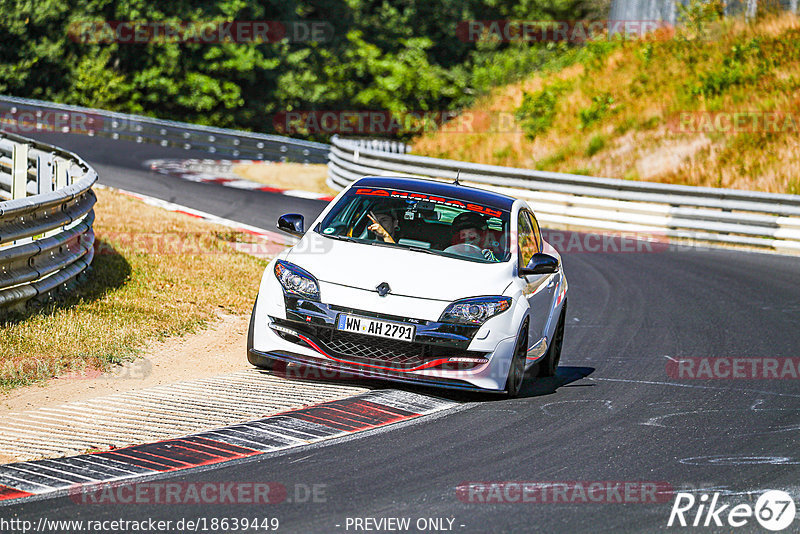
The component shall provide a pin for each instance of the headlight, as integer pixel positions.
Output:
(296, 281)
(475, 311)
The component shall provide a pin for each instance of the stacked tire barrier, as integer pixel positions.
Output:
(698, 214)
(46, 216)
(27, 116)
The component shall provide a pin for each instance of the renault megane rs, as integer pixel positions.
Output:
(415, 280)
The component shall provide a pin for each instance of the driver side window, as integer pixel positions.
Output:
(536, 232)
(526, 239)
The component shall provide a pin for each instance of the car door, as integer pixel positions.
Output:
(539, 289)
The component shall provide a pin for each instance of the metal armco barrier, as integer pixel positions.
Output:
(701, 214)
(46, 215)
(694, 213)
(21, 115)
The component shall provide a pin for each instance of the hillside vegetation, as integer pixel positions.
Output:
(389, 55)
(714, 103)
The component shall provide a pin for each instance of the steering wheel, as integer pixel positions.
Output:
(465, 249)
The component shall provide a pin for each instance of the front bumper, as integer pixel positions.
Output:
(493, 341)
(453, 356)
(334, 370)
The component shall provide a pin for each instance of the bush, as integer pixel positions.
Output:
(737, 68)
(538, 110)
(596, 144)
(601, 104)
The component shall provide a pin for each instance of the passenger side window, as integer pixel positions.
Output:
(526, 239)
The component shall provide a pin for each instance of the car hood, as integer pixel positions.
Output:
(408, 273)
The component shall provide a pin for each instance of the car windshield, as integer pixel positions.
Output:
(421, 222)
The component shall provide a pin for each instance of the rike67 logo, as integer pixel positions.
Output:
(774, 510)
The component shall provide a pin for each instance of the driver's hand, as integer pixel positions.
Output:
(382, 232)
(378, 229)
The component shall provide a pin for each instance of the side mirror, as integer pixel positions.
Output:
(540, 264)
(292, 223)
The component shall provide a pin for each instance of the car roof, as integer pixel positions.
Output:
(432, 187)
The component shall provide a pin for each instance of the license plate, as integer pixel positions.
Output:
(375, 327)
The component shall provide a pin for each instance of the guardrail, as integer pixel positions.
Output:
(28, 116)
(46, 216)
(695, 213)
(702, 214)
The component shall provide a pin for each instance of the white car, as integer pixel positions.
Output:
(416, 281)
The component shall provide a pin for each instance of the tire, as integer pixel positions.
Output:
(259, 361)
(516, 373)
(547, 367)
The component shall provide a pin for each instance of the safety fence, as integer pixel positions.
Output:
(46, 216)
(669, 11)
(26, 116)
(702, 214)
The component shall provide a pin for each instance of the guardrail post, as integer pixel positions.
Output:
(62, 181)
(61, 174)
(19, 171)
(44, 173)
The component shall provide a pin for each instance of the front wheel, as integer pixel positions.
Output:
(548, 365)
(516, 373)
(255, 359)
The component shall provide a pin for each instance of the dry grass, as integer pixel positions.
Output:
(168, 277)
(300, 176)
(730, 67)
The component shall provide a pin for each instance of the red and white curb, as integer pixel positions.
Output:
(286, 430)
(221, 172)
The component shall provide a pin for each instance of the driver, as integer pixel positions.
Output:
(469, 228)
(384, 225)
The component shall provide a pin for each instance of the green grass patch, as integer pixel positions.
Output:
(596, 144)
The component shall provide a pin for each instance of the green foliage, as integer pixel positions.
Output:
(380, 55)
(698, 15)
(94, 79)
(601, 105)
(738, 67)
(551, 161)
(538, 110)
(495, 67)
(596, 144)
(593, 55)
(502, 153)
(645, 53)
(650, 123)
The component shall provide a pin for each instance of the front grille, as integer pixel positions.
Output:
(373, 350)
(402, 354)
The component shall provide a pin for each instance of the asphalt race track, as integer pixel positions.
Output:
(612, 413)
